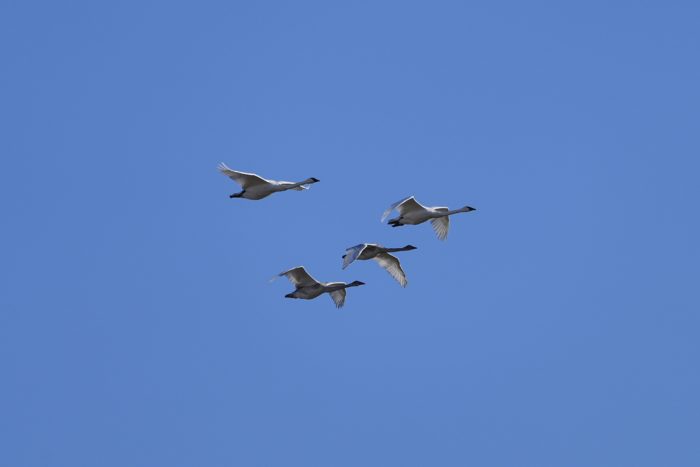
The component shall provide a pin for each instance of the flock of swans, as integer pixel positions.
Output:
(410, 211)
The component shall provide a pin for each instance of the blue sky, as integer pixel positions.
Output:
(557, 326)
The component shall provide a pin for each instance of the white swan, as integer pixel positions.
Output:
(308, 288)
(256, 187)
(411, 212)
(381, 255)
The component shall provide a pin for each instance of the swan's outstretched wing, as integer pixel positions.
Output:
(441, 226)
(299, 277)
(392, 265)
(403, 206)
(352, 253)
(410, 205)
(338, 298)
(245, 180)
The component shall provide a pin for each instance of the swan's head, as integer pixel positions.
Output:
(314, 180)
(290, 295)
(410, 247)
(469, 209)
(356, 283)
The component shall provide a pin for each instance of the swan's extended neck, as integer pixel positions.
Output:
(403, 248)
(308, 181)
(455, 211)
(340, 285)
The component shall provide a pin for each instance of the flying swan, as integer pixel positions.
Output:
(411, 212)
(309, 288)
(381, 255)
(256, 187)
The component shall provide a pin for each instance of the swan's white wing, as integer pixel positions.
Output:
(410, 205)
(338, 298)
(299, 277)
(441, 226)
(245, 180)
(352, 253)
(393, 266)
(398, 205)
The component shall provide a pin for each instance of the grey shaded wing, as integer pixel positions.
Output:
(392, 265)
(352, 253)
(299, 277)
(338, 298)
(441, 226)
(245, 180)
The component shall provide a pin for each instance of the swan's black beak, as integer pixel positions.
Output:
(289, 295)
(314, 179)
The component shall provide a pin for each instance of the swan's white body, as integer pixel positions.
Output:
(255, 187)
(411, 212)
(381, 255)
(308, 288)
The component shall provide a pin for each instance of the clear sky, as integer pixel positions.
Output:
(557, 326)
